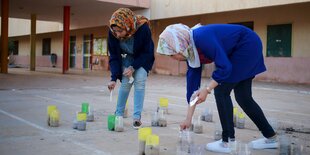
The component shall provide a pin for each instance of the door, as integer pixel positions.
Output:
(86, 51)
(279, 39)
(72, 51)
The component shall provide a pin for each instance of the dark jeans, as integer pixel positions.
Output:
(243, 95)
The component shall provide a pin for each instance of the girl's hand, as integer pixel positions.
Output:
(185, 124)
(128, 71)
(111, 85)
(202, 95)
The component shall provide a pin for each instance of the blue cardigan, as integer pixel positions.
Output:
(235, 50)
(143, 52)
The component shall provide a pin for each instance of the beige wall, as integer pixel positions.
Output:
(292, 70)
(161, 9)
(289, 70)
(23, 58)
(20, 27)
(297, 15)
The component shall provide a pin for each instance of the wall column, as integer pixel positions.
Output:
(33, 42)
(4, 35)
(66, 37)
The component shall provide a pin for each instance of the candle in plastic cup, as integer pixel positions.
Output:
(50, 108)
(155, 119)
(152, 145)
(162, 121)
(243, 149)
(163, 102)
(85, 107)
(198, 128)
(142, 135)
(54, 118)
(81, 116)
(111, 122)
(90, 115)
(240, 121)
(119, 124)
(217, 131)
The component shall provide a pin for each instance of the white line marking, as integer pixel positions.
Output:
(52, 132)
(26, 122)
(60, 101)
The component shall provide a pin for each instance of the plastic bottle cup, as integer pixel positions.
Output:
(285, 144)
(119, 124)
(90, 115)
(162, 121)
(111, 122)
(81, 125)
(185, 142)
(75, 124)
(233, 145)
(198, 128)
(243, 149)
(155, 119)
(50, 108)
(240, 121)
(54, 118)
(142, 135)
(163, 102)
(208, 115)
(85, 107)
(235, 113)
(152, 145)
(81, 116)
(217, 131)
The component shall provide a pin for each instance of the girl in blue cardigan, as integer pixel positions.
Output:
(237, 54)
(131, 52)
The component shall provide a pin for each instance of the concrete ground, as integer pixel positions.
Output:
(25, 95)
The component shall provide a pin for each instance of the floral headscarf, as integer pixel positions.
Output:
(127, 20)
(178, 38)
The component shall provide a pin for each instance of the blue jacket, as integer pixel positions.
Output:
(235, 50)
(143, 50)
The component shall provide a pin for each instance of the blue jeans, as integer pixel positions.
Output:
(140, 76)
(243, 95)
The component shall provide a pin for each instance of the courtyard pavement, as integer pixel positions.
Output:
(25, 95)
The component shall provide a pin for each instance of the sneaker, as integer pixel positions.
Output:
(136, 124)
(264, 143)
(218, 146)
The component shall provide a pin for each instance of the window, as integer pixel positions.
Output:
(279, 38)
(13, 47)
(46, 46)
(249, 25)
(100, 46)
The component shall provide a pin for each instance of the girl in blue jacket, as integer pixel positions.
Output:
(237, 54)
(131, 52)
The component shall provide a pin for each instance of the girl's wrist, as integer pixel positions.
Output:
(208, 89)
(131, 68)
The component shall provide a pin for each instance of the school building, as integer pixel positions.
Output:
(76, 32)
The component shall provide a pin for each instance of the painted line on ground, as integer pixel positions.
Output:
(284, 90)
(85, 146)
(25, 121)
(51, 99)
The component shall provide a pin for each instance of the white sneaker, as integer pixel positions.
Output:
(218, 146)
(264, 143)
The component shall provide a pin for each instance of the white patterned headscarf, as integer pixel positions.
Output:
(178, 38)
